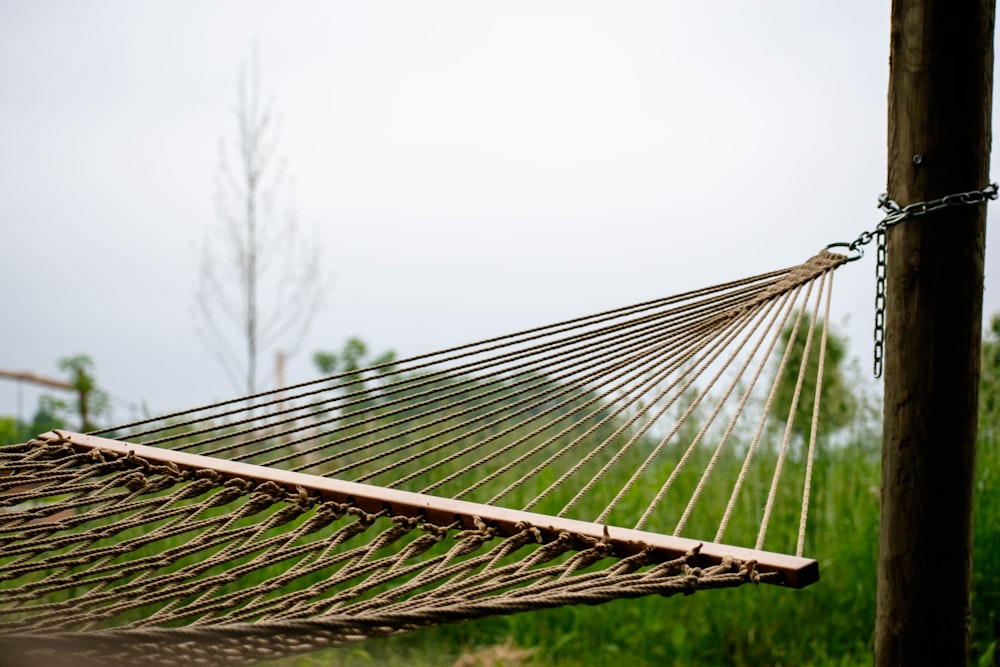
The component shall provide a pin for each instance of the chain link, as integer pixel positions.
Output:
(880, 264)
(896, 214)
(990, 192)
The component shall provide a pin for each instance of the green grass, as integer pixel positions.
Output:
(829, 623)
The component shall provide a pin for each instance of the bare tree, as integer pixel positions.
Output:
(260, 284)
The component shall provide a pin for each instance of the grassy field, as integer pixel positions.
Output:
(828, 623)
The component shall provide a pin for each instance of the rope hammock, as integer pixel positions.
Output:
(573, 463)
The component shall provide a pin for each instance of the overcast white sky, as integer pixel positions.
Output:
(472, 168)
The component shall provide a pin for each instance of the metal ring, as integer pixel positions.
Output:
(850, 246)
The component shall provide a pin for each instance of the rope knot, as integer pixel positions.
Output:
(97, 456)
(302, 497)
(211, 476)
(407, 522)
(134, 481)
(528, 532)
(331, 511)
(598, 548)
(238, 483)
(689, 583)
(263, 497)
(473, 538)
(434, 532)
(270, 490)
(364, 518)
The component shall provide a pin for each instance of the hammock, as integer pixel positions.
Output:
(575, 463)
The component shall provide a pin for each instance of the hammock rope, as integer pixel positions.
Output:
(485, 479)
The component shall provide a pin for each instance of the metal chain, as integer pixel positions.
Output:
(879, 303)
(896, 214)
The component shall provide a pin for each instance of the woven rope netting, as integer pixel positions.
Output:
(575, 463)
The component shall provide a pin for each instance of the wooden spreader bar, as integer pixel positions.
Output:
(795, 572)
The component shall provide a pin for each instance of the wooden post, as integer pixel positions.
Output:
(940, 93)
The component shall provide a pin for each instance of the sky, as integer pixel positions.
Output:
(469, 169)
